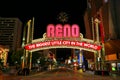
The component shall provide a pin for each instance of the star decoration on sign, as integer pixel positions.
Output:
(62, 17)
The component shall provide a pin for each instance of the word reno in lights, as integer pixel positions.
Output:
(60, 31)
(62, 43)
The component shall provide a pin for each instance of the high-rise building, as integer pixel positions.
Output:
(10, 32)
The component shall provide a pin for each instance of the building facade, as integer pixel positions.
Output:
(10, 32)
(107, 13)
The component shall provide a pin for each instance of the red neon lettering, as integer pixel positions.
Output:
(66, 42)
(75, 30)
(60, 43)
(50, 30)
(29, 47)
(72, 43)
(97, 47)
(67, 30)
(60, 31)
(56, 43)
(79, 44)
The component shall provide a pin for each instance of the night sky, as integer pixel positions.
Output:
(45, 12)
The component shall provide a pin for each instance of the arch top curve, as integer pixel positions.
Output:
(53, 47)
(77, 43)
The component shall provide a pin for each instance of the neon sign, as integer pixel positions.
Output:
(60, 31)
(63, 36)
(62, 43)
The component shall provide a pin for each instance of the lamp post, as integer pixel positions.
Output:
(98, 55)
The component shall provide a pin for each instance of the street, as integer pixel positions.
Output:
(60, 74)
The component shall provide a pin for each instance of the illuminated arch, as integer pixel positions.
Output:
(75, 43)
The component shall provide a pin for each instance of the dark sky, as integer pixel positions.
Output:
(44, 12)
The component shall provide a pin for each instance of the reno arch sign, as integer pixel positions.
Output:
(60, 31)
(63, 36)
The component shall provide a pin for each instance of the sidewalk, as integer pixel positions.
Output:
(114, 74)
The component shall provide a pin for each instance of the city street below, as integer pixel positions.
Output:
(60, 74)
